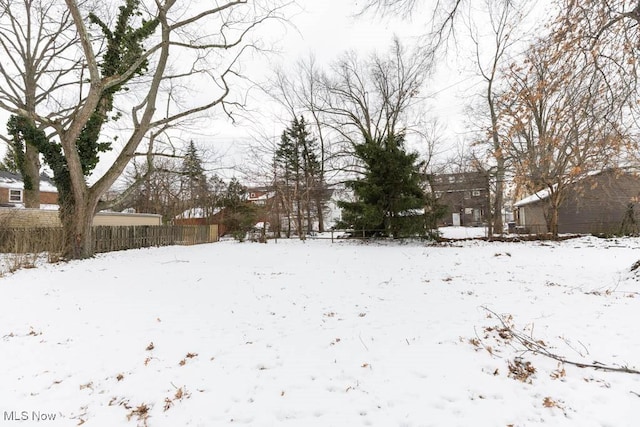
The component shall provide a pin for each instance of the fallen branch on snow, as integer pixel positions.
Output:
(537, 347)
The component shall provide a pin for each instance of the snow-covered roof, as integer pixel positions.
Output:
(14, 181)
(540, 195)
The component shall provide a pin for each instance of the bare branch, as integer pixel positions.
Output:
(536, 347)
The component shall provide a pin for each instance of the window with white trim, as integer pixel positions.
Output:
(15, 196)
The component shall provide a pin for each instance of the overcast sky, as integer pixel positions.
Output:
(328, 28)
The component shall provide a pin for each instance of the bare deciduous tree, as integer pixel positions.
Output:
(503, 18)
(38, 45)
(560, 124)
(369, 100)
(194, 49)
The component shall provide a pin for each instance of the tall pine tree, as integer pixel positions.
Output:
(299, 185)
(194, 185)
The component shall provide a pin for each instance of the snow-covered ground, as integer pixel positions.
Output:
(462, 232)
(325, 334)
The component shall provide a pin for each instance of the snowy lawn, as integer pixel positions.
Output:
(322, 334)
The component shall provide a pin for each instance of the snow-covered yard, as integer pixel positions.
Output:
(325, 334)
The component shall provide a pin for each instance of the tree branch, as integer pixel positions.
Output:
(536, 347)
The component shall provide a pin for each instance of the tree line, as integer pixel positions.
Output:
(83, 82)
(555, 106)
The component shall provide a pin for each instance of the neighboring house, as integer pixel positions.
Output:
(12, 190)
(13, 213)
(260, 195)
(465, 195)
(604, 202)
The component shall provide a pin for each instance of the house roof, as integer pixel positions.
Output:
(540, 195)
(14, 181)
(544, 193)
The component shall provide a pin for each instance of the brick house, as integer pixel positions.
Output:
(12, 190)
(465, 196)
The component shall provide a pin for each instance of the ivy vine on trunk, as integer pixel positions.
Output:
(124, 46)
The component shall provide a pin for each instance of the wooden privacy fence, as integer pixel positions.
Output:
(107, 238)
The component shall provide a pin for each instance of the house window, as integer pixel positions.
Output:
(15, 196)
(475, 193)
(438, 194)
(452, 179)
(252, 195)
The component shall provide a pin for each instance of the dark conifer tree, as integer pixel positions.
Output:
(390, 200)
(240, 216)
(193, 178)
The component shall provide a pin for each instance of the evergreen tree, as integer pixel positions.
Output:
(299, 170)
(193, 179)
(240, 216)
(9, 163)
(389, 198)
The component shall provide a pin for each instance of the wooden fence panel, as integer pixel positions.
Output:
(107, 238)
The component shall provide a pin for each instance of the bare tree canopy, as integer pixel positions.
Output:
(38, 42)
(151, 66)
(443, 16)
(370, 99)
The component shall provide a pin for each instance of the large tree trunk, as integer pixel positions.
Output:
(77, 220)
(551, 214)
(496, 209)
(32, 174)
(319, 210)
(553, 221)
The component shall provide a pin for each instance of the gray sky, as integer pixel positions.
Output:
(327, 29)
